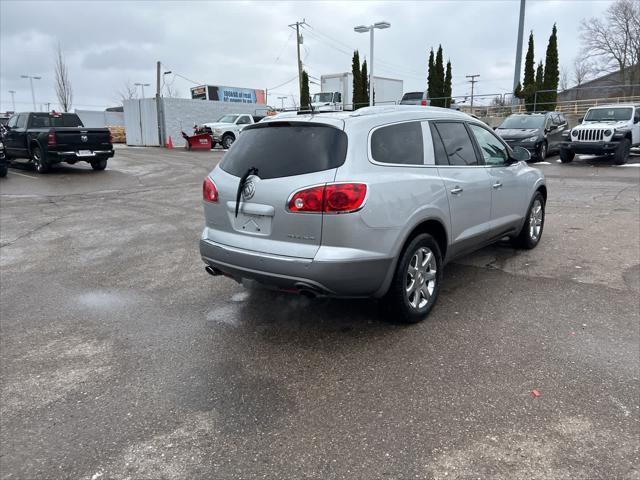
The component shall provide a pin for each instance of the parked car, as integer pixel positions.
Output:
(228, 127)
(384, 198)
(415, 98)
(540, 133)
(605, 130)
(4, 161)
(48, 138)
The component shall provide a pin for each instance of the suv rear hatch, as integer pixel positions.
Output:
(289, 156)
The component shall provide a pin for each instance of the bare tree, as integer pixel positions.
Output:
(564, 78)
(171, 91)
(127, 92)
(64, 91)
(615, 40)
(583, 70)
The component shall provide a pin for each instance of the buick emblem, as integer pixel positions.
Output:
(249, 190)
(84, 138)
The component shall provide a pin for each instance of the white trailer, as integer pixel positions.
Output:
(336, 92)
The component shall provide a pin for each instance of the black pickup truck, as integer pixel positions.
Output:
(48, 138)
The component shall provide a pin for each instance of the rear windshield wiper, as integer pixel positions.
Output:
(243, 180)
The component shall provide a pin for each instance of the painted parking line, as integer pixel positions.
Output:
(23, 175)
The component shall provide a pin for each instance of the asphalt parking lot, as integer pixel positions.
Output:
(121, 358)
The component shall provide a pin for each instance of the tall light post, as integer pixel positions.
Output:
(13, 99)
(142, 85)
(371, 28)
(282, 99)
(164, 74)
(33, 95)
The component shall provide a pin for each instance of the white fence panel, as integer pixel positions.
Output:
(141, 122)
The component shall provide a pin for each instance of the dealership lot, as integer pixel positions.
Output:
(121, 358)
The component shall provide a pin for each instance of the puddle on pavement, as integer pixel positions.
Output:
(98, 299)
(226, 314)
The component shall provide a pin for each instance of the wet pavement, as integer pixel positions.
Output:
(121, 358)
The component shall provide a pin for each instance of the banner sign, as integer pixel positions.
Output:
(228, 94)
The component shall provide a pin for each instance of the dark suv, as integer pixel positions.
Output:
(539, 133)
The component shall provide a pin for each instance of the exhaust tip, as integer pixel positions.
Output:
(214, 272)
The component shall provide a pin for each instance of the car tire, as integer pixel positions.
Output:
(3, 171)
(541, 152)
(622, 152)
(531, 232)
(566, 156)
(99, 165)
(227, 141)
(38, 159)
(416, 281)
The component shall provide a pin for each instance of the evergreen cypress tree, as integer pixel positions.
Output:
(447, 85)
(430, 77)
(304, 98)
(518, 91)
(529, 83)
(438, 73)
(357, 84)
(551, 72)
(365, 82)
(539, 85)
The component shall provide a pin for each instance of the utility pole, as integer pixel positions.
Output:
(299, 40)
(13, 99)
(516, 73)
(473, 82)
(282, 99)
(158, 106)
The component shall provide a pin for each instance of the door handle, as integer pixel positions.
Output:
(456, 191)
(497, 185)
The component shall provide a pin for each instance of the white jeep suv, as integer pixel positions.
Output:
(605, 130)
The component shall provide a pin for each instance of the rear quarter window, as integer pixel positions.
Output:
(400, 144)
(284, 149)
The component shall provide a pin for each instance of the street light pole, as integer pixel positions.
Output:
(142, 85)
(370, 28)
(33, 95)
(13, 99)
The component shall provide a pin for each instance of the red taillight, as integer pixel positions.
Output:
(51, 138)
(110, 137)
(330, 198)
(423, 103)
(209, 191)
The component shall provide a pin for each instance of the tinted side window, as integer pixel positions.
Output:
(22, 121)
(493, 151)
(401, 144)
(438, 147)
(457, 143)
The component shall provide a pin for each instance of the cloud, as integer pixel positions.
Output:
(249, 44)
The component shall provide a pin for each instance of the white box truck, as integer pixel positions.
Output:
(336, 92)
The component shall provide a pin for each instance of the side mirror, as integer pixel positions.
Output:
(636, 119)
(521, 154)
(580, 119)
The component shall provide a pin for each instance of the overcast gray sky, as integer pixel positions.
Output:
(248, 44)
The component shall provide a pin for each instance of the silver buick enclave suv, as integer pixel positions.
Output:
(371, 203)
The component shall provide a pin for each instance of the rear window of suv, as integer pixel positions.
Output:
(284, 149)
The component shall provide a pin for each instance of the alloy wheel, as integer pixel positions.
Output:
(536, 217)
(421, 278)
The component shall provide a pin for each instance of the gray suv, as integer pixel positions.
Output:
(371, 203)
